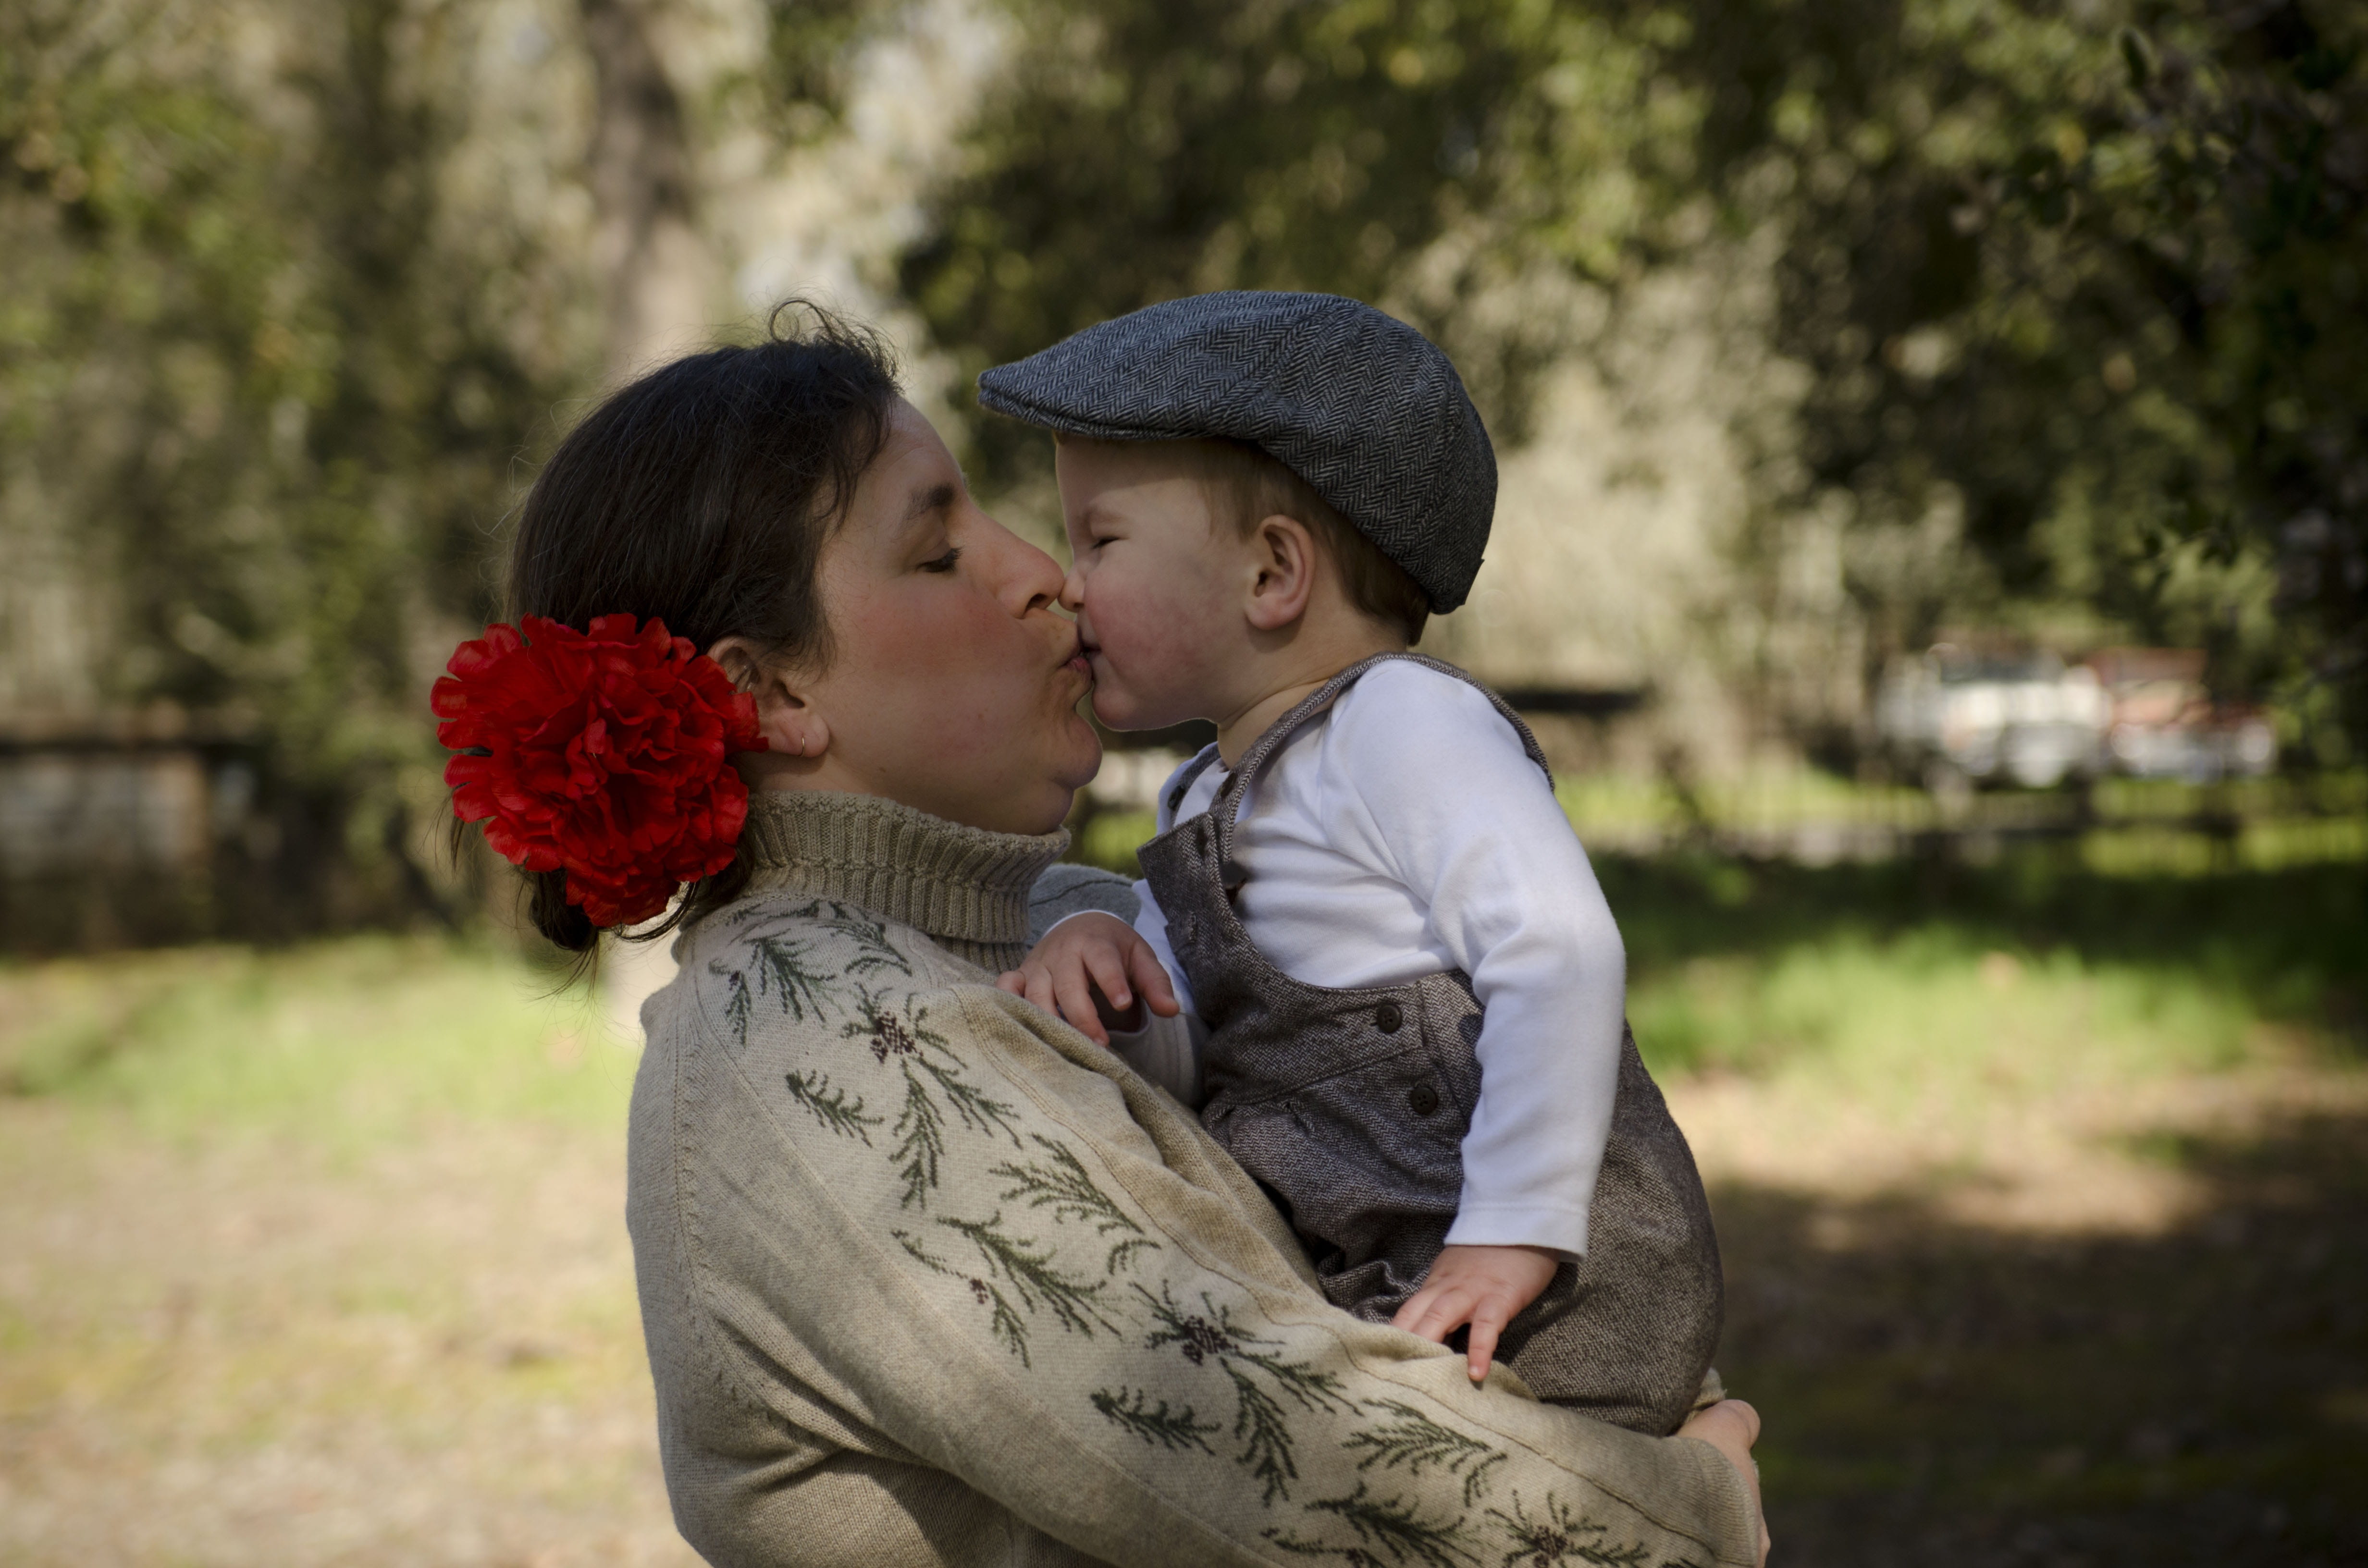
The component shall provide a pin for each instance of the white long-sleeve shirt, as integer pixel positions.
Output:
(1404, 833)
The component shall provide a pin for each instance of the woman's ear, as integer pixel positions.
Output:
(791, 725)
(1283, 566)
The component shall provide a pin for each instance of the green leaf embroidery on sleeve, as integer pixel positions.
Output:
(1026, 1264)
(1173, 1431)
(1558, 1538)
(874, 953)
(1265, 1431)
(1005, 1323)
(906, 1038)
(921, 1130)
(1025, 1267)
(921, 1125)
(1388, 1530)
(889, 1032)
(1415, 1441)
(1260, 1419)
(1069, 1191)
(736, 1005)
(831, 1107)
(789, 971)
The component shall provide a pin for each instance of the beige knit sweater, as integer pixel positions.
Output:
(928, 1278)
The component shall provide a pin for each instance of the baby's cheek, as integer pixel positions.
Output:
(1150, 637)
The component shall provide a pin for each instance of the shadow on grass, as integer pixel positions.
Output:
(1948, 1397)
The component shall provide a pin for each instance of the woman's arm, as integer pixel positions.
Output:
(942, 1226)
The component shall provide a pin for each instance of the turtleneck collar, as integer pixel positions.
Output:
(964, 887)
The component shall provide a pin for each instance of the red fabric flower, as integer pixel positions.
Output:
(606, 755)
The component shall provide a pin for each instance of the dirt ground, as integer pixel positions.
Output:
(2188, 1385)
(2133, 1330)
(250, 1354)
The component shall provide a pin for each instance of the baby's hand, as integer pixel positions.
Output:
(1084, 959)
(1482, 1286)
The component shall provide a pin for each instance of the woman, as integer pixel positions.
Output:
(925, 1275)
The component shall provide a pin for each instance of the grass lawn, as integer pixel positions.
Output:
(2040, 1186)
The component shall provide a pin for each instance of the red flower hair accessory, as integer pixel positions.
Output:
(605, 754)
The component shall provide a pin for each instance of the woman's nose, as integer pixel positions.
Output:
(1030, 579)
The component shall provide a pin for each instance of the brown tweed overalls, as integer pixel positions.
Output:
(1349, 1106)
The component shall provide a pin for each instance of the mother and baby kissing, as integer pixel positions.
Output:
(1304, 1201)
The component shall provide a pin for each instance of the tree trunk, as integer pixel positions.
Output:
(648, 244)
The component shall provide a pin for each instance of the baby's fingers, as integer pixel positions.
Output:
(1487, 1326)
(1011, 980)
(1107, 968)
(1435, 1312)
(1039, 988)
(1074, 992)
(1158, 992)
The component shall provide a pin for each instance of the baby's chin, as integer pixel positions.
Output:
(1120, 706)
(1116, 710)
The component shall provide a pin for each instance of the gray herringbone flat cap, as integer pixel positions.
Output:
(1358, 405)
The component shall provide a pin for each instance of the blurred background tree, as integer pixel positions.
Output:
(2031, 319)
(270, 347)
(2077, 287)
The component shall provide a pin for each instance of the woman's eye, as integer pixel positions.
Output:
(944, 563)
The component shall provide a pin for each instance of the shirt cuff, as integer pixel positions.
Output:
(1559, 1230)
(1167, 1052)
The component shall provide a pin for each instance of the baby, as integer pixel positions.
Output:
(1363, 906)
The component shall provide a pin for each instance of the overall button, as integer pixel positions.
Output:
(1422, 1099)
(1387, 1018)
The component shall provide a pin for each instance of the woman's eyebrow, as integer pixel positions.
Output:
(930, 498)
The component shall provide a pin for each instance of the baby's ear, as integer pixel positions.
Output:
(1284, 564)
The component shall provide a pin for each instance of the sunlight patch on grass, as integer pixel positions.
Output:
(355, 1043)
(1931, 1007)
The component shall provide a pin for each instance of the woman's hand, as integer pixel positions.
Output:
(1085, 959)
(1484, 1286)
(1732, 1426)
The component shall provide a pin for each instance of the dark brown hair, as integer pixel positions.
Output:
(1247, 486)
(702, 494)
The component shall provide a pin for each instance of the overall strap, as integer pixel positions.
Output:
(1183, 785)
(1229, 798)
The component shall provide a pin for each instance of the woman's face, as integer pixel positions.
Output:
(953, 682)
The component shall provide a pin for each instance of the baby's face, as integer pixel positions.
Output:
(1155, 583)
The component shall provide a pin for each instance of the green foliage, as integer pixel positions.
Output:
(265, 360)
(2080, 287)
(1147, 149)
(810, 48)
(2091, 277)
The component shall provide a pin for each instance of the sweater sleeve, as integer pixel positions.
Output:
(1424, 780)
(931, 1227)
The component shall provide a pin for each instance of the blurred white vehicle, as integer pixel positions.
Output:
(2165, 724)
(1954, 715)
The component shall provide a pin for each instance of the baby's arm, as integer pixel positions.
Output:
(1087, 970)
(1433, 789)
